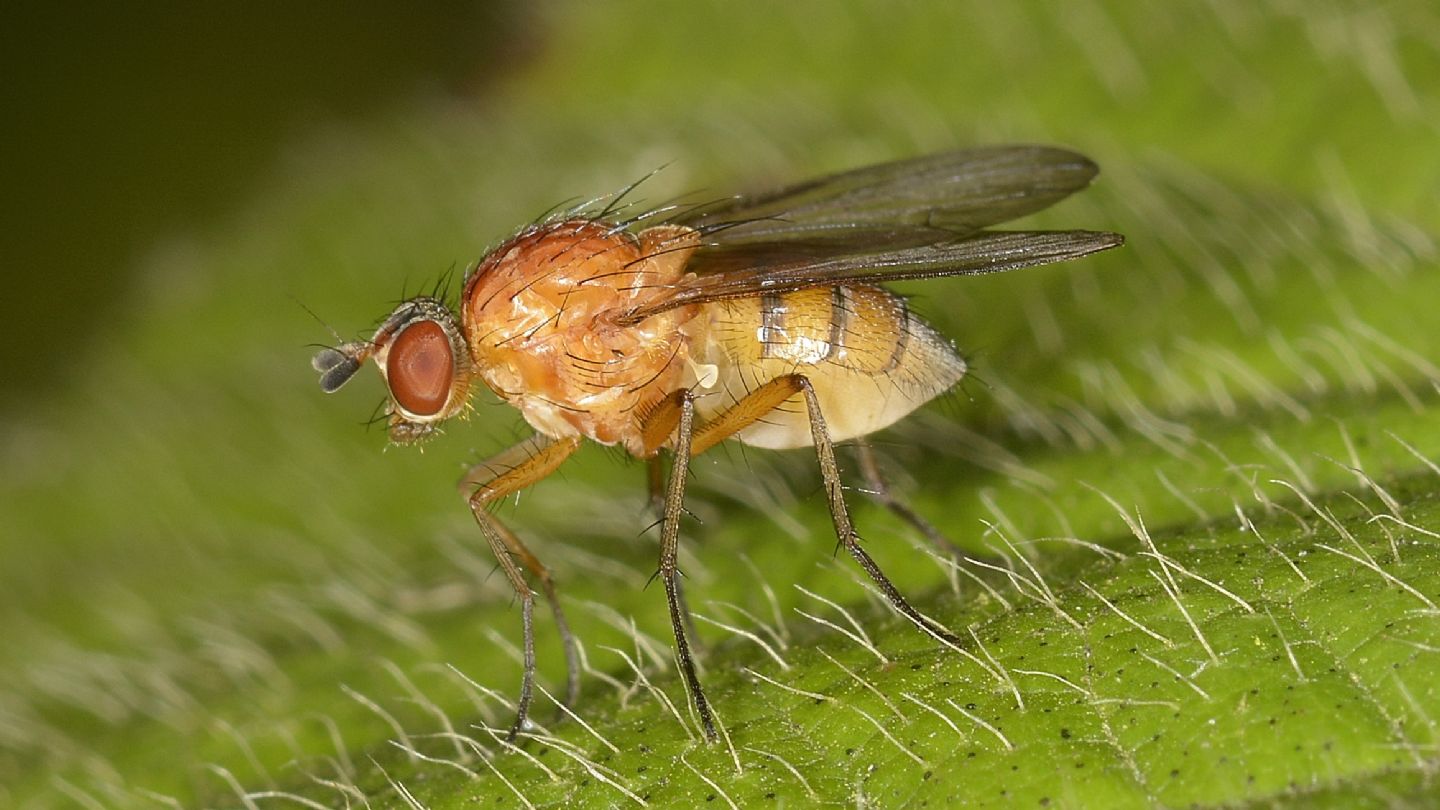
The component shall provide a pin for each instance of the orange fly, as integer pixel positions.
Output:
(758, 318)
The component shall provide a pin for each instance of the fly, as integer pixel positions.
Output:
(759, 318)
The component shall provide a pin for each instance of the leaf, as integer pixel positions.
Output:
(1209, 459)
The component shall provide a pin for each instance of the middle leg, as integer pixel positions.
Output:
(657, 480)
(677, 413)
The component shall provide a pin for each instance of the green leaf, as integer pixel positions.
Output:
(1208, 460)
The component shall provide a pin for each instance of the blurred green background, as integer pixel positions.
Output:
(1213, 452)
(130, 124)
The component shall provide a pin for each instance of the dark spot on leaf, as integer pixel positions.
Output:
(1064, 733)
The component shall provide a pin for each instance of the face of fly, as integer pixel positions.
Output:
(423, 359)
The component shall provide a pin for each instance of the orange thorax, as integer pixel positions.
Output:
(540, 312)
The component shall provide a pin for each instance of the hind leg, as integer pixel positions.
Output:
(879, 490)
(673, 421)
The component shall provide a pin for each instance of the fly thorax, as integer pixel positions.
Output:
(543, 317)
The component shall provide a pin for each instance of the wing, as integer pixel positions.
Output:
(959, 192)
(977, 254)
(918, 218)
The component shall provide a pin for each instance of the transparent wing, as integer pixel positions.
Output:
(958, 192)
(917, 218)
(976, 254)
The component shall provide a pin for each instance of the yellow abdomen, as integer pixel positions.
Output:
(870, 360)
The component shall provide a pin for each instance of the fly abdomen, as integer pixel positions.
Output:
(869, 358)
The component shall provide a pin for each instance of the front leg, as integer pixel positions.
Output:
(490, 481)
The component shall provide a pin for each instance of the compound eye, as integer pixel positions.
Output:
(420, 368)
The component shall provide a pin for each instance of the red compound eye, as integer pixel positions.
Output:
(420, 368)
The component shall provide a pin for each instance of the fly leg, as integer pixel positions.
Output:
(490, 481)
(840, 514)
(675, 417)
(766, 398)
(656, 475)
(879, 490)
